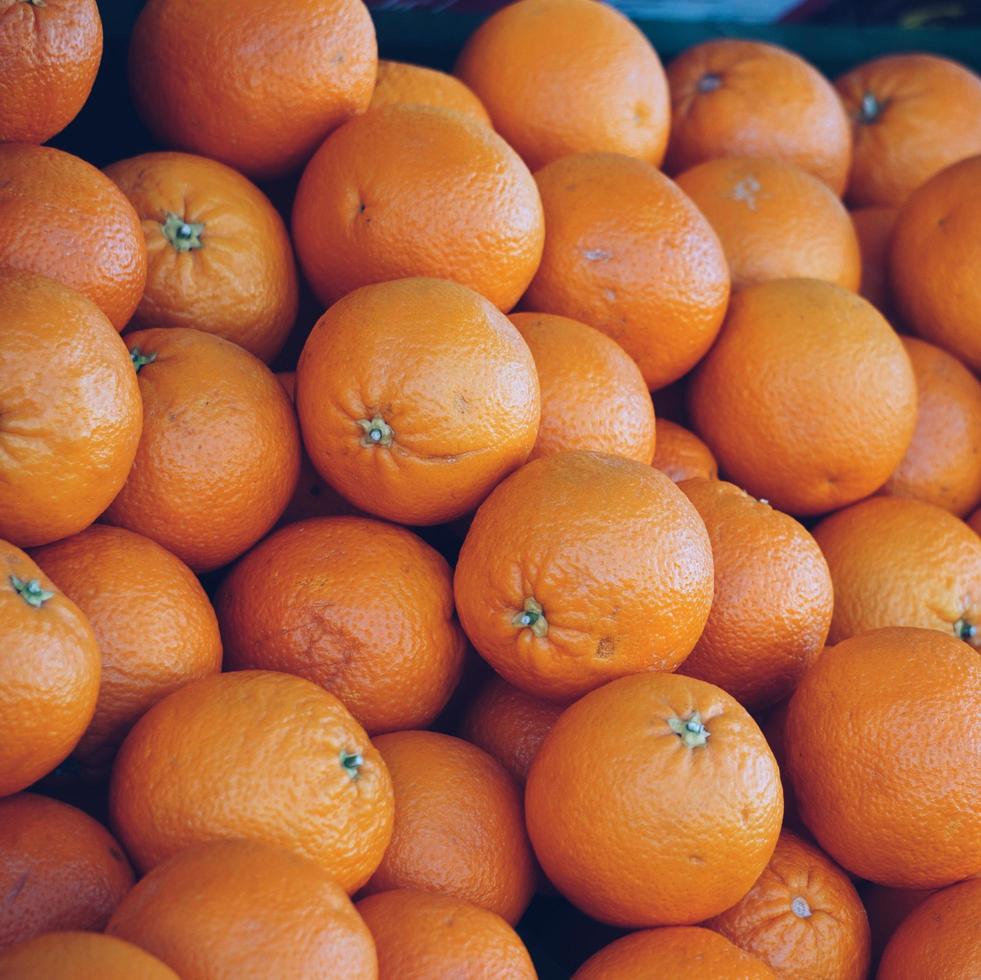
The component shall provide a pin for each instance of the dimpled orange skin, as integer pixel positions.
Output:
(593, 394)
(59, 869)
(836, 412)
(901, 562)
(938, 939)
(773, 597)
(803, 917)
(746, 98)
(49, 672)
(153, 622)
(264, 755)
(443, 378)
(259, 87)
(775, 221)
(466, 210)
(235, 275)
(680, 454)
(422, 934)
(943, 463)
(911, 116)
(459, 825)
(241, 908)
(70, 955)
(50, 54)
(580, 568)
(219, 456)
(874, 226)
(71, 414)
(581, 78)
(936, 245)
(628, 253)
(638, 828)
(364, 609)
(509, 724)
(62, 218)
(673, 951)
(882, 737)
(399, 83)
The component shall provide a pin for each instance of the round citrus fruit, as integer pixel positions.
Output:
(466, 209)
(775, 221)
(773, 597)
(265, 756)
(364, 609)
(654, 800)
(423, 934)
(416, 397)
(255, 85)
(153, 622)
(399, 83)
(580, 78)
(593, 394)
(883, 735)
(680, 454)
(831, 356)
(887, 908)
(219, 256)
(59, 869)
(628, 253)
(583, 567)
(219, 456)
(874, 226)
(240, 908)
(459, 825)
(71, 955)
(72, 412)
(49, 672)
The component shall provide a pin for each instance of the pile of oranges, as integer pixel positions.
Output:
(343, 665)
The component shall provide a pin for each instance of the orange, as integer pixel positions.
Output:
(401, 84)
(258, 86)
(654, 801)
(415, 398)
(466, 209)
(459, 825)
(836, 411)
(49, 672)
(508, 724)
(219, 456)
(882, 736)
(912, 115)
(887, 908)
(943, 463)
(673, 951)
(936, 245)
(593, 394)
(773, 597)
(628, 253)
(263, 755)
(219, 255)
(902, 563)
(939, 939)
(364, 609)
(59, 869)
(874, 226)
(583, 567)
(153, 622)
(75, 955)
(240, 908)
(773, 724)
(681, 455)
(775, 221)
(62, 218)
(50, 55)
(579, 78)
(420, 934)
(803, 917)
(71, 410)
(733, 98)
